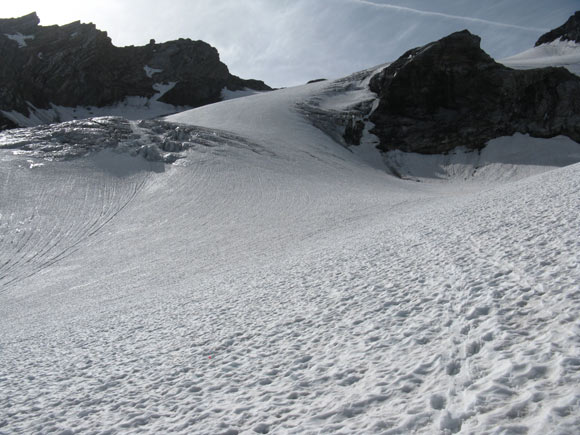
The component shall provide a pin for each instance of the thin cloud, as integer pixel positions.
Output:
(449, 16)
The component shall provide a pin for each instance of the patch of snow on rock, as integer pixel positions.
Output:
(162, 89)
(19, 38)
(132, 108)
(150, 71)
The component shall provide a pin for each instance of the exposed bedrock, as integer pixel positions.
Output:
(451, 93)
(77, 65)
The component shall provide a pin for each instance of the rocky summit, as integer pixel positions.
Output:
(77, 65)
(451, 93)
(569, 31)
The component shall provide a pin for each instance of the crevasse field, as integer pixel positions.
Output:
(274, 281)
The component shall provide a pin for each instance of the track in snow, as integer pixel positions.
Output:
(47, 213)
(398, 327)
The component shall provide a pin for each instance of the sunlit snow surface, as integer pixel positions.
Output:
(271, 280)
(556, 53)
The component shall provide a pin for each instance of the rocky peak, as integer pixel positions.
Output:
(459, 50)
(76, 65)
(24, 25)
(451, 93)
(569, 31)
(435, 68)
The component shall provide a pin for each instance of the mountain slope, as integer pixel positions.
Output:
(271, 280)
(451, 93)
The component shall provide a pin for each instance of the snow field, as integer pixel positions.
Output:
(273, 281)
(437, 316)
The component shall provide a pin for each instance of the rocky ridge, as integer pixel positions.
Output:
(446, 94)
(76, 65)
(451, 93)
(569, 31)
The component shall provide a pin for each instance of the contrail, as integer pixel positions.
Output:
(449, 16)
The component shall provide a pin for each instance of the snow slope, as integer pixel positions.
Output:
(131, 108)
(556, 53)
(275, 281)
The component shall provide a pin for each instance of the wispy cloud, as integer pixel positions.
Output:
(448, 16)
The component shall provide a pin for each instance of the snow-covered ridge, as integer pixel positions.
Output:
(556, 53)
(334, 106)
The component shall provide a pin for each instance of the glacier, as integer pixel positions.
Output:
(234, 269)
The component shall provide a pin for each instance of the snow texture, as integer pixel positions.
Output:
(272, 280)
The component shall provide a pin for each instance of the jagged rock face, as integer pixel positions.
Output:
(450, 93)
(77, 65)
(569, 31)
(26, 24)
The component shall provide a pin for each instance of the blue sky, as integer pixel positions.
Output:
(287, 42)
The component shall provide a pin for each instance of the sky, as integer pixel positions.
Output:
(288, 42)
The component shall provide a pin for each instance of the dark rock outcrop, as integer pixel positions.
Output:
(569, 31)
(450, 93)
(344, 122)
(77, 65)
(25, 25)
